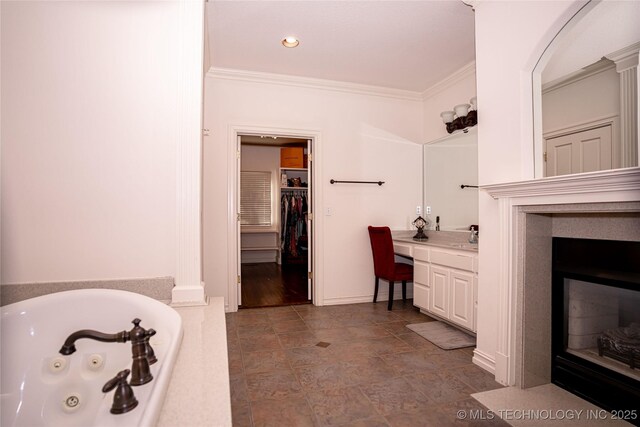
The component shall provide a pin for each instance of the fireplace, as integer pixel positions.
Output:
(595, 320)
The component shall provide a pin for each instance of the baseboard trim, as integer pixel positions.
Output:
(484, 361)
(397, 295)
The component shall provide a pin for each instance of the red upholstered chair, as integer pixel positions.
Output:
(384, 264)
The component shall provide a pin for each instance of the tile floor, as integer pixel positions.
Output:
(347, 365)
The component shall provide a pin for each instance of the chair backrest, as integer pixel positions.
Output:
(383, 255)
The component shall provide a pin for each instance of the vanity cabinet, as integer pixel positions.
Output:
(445, 282)
(452, 284)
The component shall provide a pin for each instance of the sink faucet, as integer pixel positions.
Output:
(141, 351)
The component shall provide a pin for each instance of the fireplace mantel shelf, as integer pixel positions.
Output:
(627, 179)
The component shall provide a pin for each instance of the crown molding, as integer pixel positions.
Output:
(311, 83)
(625, 58)
(464, 72)
(591, 70)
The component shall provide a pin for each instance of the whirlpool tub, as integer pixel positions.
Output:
(41, 387)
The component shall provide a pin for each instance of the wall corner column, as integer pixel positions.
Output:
(626, 61)
(189, 289)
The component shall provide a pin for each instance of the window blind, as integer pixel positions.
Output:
(255, 198)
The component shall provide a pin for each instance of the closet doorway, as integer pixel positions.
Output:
(275, 227)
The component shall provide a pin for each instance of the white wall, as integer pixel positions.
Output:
(362, 137)
(89, 106)
(580, 102)
(510, 37)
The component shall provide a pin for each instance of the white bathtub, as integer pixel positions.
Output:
(41, 387)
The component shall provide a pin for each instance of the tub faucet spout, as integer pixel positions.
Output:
(69, 346)
(141, 351)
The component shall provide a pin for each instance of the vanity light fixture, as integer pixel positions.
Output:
(290, 41)
(463, 116)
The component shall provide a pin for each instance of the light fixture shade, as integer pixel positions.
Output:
(447, 116)
(461, 110)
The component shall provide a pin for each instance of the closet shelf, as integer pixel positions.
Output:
(294, 188)
(295, 169)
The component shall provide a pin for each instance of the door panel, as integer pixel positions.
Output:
(583, 151)
(439, 301)
(461, 310)
(237, 212)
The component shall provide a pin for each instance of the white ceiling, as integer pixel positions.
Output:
(409, 45)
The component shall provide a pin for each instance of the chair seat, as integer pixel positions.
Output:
(402, 272)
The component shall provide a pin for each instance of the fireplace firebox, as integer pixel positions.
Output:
(596, 321)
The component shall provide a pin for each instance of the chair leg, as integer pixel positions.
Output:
(404, 290)
(375, 291)
(390, 296)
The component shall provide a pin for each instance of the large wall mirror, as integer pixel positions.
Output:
(450, 163)
(586, 92)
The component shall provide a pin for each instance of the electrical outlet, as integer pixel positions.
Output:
(418, 210)
(428, 210)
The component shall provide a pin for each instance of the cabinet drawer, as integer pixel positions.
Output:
(402, 249)
(459, 261)
(421, 296)
(421, 253)
(421, 273)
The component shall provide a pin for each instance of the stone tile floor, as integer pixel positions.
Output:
(347, 365)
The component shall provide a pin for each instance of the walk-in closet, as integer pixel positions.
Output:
(275, 227)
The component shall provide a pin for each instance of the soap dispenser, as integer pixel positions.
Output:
(473, 237)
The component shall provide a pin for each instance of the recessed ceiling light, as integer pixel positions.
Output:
(290, 41)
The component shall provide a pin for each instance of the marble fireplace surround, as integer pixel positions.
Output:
(597, 205)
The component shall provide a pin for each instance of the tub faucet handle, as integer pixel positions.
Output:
(123, 398)
(151, 355)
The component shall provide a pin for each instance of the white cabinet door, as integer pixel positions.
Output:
(462, 299)
(439, 284)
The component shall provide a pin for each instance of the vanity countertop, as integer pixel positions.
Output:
(443, 239)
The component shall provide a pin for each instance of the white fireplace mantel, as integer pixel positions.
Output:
(587, 185)
(601, 190)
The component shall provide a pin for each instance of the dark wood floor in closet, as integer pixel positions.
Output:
(270, 284)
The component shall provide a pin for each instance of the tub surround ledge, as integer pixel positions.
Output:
(199, 393)
(158, 288)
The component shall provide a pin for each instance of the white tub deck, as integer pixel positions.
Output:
(198, 393)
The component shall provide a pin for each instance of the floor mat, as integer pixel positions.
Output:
(444, 336)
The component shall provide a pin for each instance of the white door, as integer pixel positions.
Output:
(583, 151)
(309, 221)
(237, 208)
